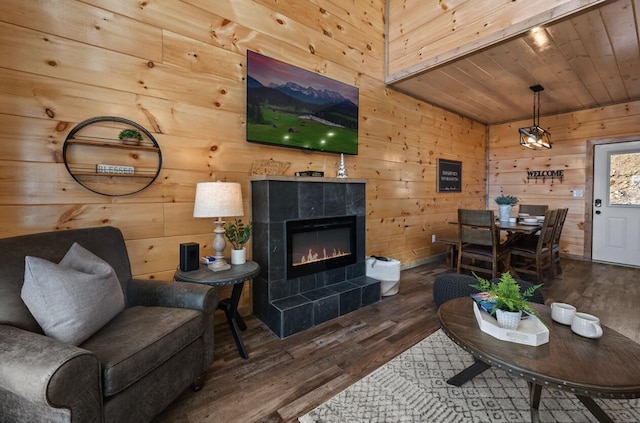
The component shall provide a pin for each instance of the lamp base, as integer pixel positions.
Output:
(218, 247)
(219, 265)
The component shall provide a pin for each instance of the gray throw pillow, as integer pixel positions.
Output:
(74, 299)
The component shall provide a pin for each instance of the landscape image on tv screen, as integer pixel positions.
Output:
(292, 107)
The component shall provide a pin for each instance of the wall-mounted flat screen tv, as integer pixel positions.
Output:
(292, 107)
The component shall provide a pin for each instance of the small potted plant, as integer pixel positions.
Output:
(507, 299)
(130, 137)
(238, 234)
(505, 203)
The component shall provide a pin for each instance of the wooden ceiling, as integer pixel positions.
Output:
(588, 60)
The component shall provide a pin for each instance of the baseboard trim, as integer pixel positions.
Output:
(574, 257)
(426, 260)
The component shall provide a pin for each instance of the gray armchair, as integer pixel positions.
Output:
(130, 370)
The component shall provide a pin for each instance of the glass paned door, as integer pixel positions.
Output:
(616, 203)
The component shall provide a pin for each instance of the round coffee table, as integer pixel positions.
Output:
(608, 367)
(236, 276)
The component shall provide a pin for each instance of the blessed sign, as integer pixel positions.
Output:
(449, 176)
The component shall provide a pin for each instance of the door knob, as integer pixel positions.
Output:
(598, 202)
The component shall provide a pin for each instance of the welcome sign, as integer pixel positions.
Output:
(544, 174)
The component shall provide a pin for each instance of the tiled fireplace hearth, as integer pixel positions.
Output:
(290, 304)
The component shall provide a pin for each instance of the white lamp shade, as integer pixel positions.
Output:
(218, 199)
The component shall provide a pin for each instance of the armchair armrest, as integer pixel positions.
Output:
(171, 294)
(181, 295)
(49, 374)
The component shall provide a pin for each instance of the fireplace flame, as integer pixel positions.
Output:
(313, 256)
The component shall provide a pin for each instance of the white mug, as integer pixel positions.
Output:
(586, 325)
(562, 313)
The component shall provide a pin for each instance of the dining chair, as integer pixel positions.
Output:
(532, 255)
(479, 241)
(555, 248)
(533, 209)
(451, 254)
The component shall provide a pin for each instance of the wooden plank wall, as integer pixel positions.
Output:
(178, 69)
(427, 33)
(509, 163)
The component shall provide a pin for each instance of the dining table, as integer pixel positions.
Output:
(518, 230)
(519, 226)
(514, 232)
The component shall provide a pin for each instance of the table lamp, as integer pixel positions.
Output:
(218, 199)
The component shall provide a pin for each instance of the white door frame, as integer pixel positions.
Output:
(588, 188)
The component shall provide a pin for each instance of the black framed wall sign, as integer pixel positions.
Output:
(449, 176)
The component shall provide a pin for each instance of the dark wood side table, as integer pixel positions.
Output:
(236, 276)
(608, 367)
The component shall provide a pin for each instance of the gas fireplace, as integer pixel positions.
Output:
(309, 238)
(316, 245)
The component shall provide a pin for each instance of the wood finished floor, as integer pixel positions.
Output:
(283, 379)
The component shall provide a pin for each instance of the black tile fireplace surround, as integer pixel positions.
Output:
(290, 305)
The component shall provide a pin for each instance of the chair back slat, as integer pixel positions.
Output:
(555, 245)
(476, 235)
(476, 217)
(476, 227)
(533, 209)
(546, 232)
(562, 216)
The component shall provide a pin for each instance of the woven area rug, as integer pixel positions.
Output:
(412, 388)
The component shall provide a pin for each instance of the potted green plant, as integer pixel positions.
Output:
(238, 234)
(506, 297)
(505, 203)
(130, 137)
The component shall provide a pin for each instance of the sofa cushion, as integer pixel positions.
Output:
(73, 299)
(140, 339)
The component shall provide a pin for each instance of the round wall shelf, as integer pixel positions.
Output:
(101, 162)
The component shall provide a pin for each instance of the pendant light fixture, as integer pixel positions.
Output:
(535, 137)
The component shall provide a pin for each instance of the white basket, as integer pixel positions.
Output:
(387, 272)
(383, 270)
(531, 330)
